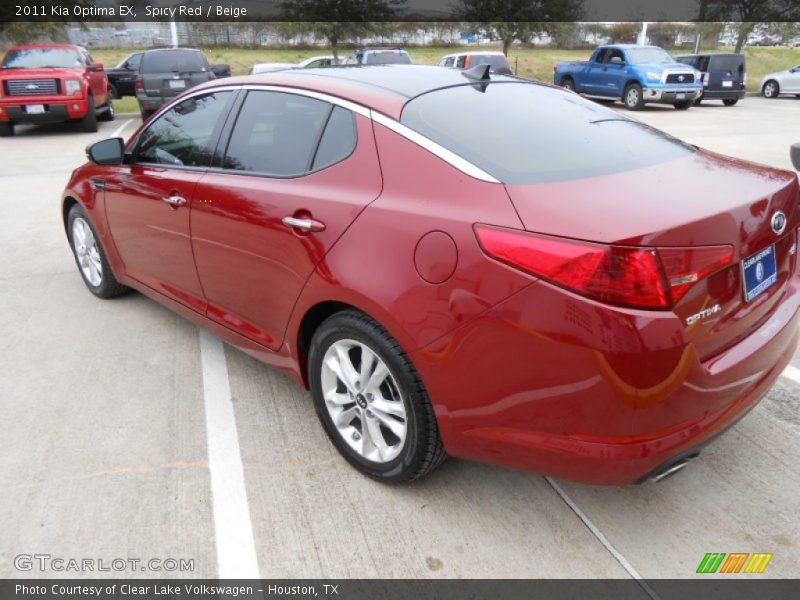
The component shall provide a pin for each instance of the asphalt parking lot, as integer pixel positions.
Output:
(112, 445)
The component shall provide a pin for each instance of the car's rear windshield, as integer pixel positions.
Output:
(527, 133)
(726, 62)
(495, 61)
(42, 58)
(168, 61)
(387, 57)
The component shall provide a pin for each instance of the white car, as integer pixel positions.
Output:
(267, 67)
(317, 61)
(782, 82)
(497, 61)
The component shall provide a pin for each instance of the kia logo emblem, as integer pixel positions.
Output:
(778, 222)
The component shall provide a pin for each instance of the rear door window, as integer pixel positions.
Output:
(338, 141)
(276, 134)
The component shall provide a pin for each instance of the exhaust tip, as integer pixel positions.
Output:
(673, 468)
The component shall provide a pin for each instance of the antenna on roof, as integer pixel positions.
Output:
(478, 73)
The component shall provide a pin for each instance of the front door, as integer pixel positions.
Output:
(296, 173)
(148, 202)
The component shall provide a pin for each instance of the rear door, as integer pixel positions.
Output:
(148, 201)
(725, 72)
(295, 173)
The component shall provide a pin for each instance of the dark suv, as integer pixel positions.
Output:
(724, 75)
(165, 73)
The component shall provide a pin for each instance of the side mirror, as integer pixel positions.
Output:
(108, 152)
(794, 152)
(96, 67)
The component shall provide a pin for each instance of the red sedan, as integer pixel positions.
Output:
(457, 263)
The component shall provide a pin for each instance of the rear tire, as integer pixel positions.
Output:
(89, 122)
(730, 101)
(6, 129)
(568, 84)
(682, 105)
(771, 89)
(632, 97)
(375, 410)
(90, 256)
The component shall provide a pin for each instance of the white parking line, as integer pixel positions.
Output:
(791, 373)
(236, 550)
(603, 539)
(121, 128)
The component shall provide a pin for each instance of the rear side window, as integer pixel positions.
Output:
(168, 61)
(461, 61)
(338, 141)
(276, 134)
(186, 134)
(526, 133)
(495, 61)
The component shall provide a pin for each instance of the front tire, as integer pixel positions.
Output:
(633, 97)
(108, 114)
(89, 122)
(682, 105)
(90, 256)
(371, 401)
(6, 129)
(771, 89)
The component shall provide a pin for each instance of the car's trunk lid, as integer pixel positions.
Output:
(699, 200)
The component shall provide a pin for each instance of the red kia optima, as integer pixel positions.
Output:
(457, 263)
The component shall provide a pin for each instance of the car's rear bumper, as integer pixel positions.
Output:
(557, 384)
(723, 94)
(54, 112)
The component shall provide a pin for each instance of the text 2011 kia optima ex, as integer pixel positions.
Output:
(457, 263)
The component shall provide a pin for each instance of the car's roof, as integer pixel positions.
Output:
(384, 88)
(172, 49)
(710, 54)
(475, 53)
(629, 46)
(55, 46)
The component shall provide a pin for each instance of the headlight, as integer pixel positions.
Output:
(72, 87)
(653, 75)
(698, 76)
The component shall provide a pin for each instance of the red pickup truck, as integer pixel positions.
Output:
(52, 83)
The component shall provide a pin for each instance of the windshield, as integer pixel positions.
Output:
(649, 56)
(168, 61)
(526, 133)
(39, 58)
(387, 57)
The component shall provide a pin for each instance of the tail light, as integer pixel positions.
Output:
(705, 78)
(638, 277)
(555, 68)
(228, 71)
(138, 86)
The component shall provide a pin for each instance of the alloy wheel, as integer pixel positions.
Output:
(87, 252)
(364, 401)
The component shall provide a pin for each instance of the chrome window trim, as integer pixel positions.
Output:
(446, 155)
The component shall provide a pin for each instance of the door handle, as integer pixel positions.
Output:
(175, 201)
(303, 224)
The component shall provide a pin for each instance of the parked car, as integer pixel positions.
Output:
(634, 74)
(466, 60)
(724, 75)
(52, 83)
(379, 56)
(603, 335)
(318, 61)
(781, 82)
(122, 78)
(269, 67)
(166, 72)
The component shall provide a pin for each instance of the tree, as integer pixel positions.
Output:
(749, 13)
(29, 32)
(338, 21)
(520, 20)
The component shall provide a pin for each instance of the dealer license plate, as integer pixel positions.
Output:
(759, 273)
(177, 84)
(35, 109)
(680, 96)
(727, 84)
